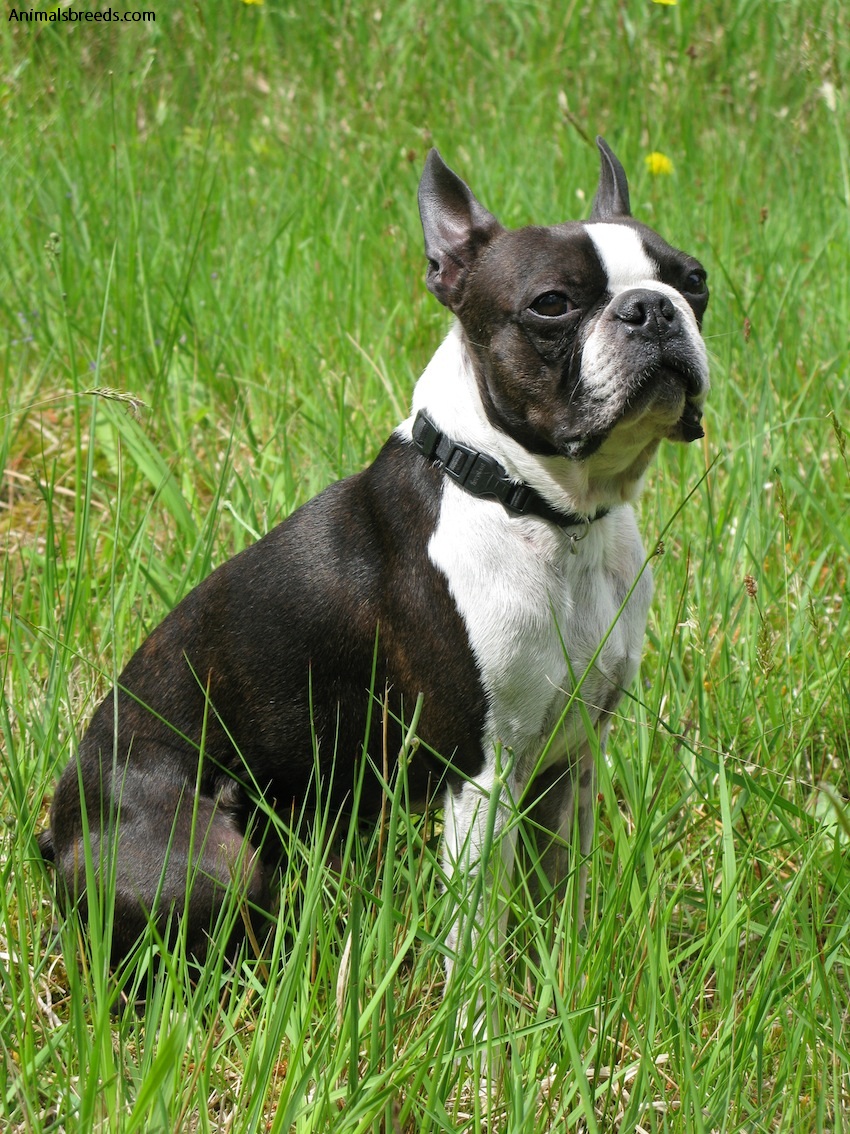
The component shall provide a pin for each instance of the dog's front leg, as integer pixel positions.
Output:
(566, 800)
(479, 842)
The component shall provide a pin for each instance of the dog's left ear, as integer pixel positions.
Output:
(456, 227)
(612, 196)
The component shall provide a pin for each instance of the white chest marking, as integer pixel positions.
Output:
(536, 614)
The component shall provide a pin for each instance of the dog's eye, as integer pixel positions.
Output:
(695, 282)
(551, 304)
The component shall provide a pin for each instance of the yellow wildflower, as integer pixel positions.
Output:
(658, 163)
(263, 1)
(670, 3)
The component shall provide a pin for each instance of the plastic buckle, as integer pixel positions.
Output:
(459, 463)
(517, 498)
(476, 472)
(485, 477)
(426, 435)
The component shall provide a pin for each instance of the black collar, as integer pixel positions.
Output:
(484, 476)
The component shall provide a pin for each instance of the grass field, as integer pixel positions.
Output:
(213, 304)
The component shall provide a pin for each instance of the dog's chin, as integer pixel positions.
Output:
(675, 398)
(651, 413)
(672, 413)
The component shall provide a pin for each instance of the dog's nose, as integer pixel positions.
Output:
(647, 312)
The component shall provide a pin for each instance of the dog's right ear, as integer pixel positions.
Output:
(456, 227)
(612, 197)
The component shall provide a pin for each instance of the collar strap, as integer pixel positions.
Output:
(484, 476)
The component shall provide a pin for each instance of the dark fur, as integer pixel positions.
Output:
(291, 620)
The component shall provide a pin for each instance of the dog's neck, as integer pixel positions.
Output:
(448, 392)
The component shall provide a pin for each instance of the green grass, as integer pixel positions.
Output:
(232, 192)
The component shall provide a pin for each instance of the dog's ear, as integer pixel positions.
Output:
(456, 227)
(612, 195)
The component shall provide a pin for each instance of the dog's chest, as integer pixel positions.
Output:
(536, 614)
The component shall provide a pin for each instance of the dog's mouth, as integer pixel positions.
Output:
(666, 399)
(673, 376)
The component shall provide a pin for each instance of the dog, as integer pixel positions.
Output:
(485, 571)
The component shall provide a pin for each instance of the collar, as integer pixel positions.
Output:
(483, 476)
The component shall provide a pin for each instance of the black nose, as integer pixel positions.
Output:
(649, 313)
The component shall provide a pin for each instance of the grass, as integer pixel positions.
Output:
(212, 305)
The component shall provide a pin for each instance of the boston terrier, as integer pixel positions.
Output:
(484, 574)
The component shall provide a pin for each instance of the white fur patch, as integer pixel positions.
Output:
(623, 257)
(526, 600)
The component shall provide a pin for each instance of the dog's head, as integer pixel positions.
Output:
(585, 337)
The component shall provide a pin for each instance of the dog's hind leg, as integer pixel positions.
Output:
(165, 854)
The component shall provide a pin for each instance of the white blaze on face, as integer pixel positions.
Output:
(623, 257)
